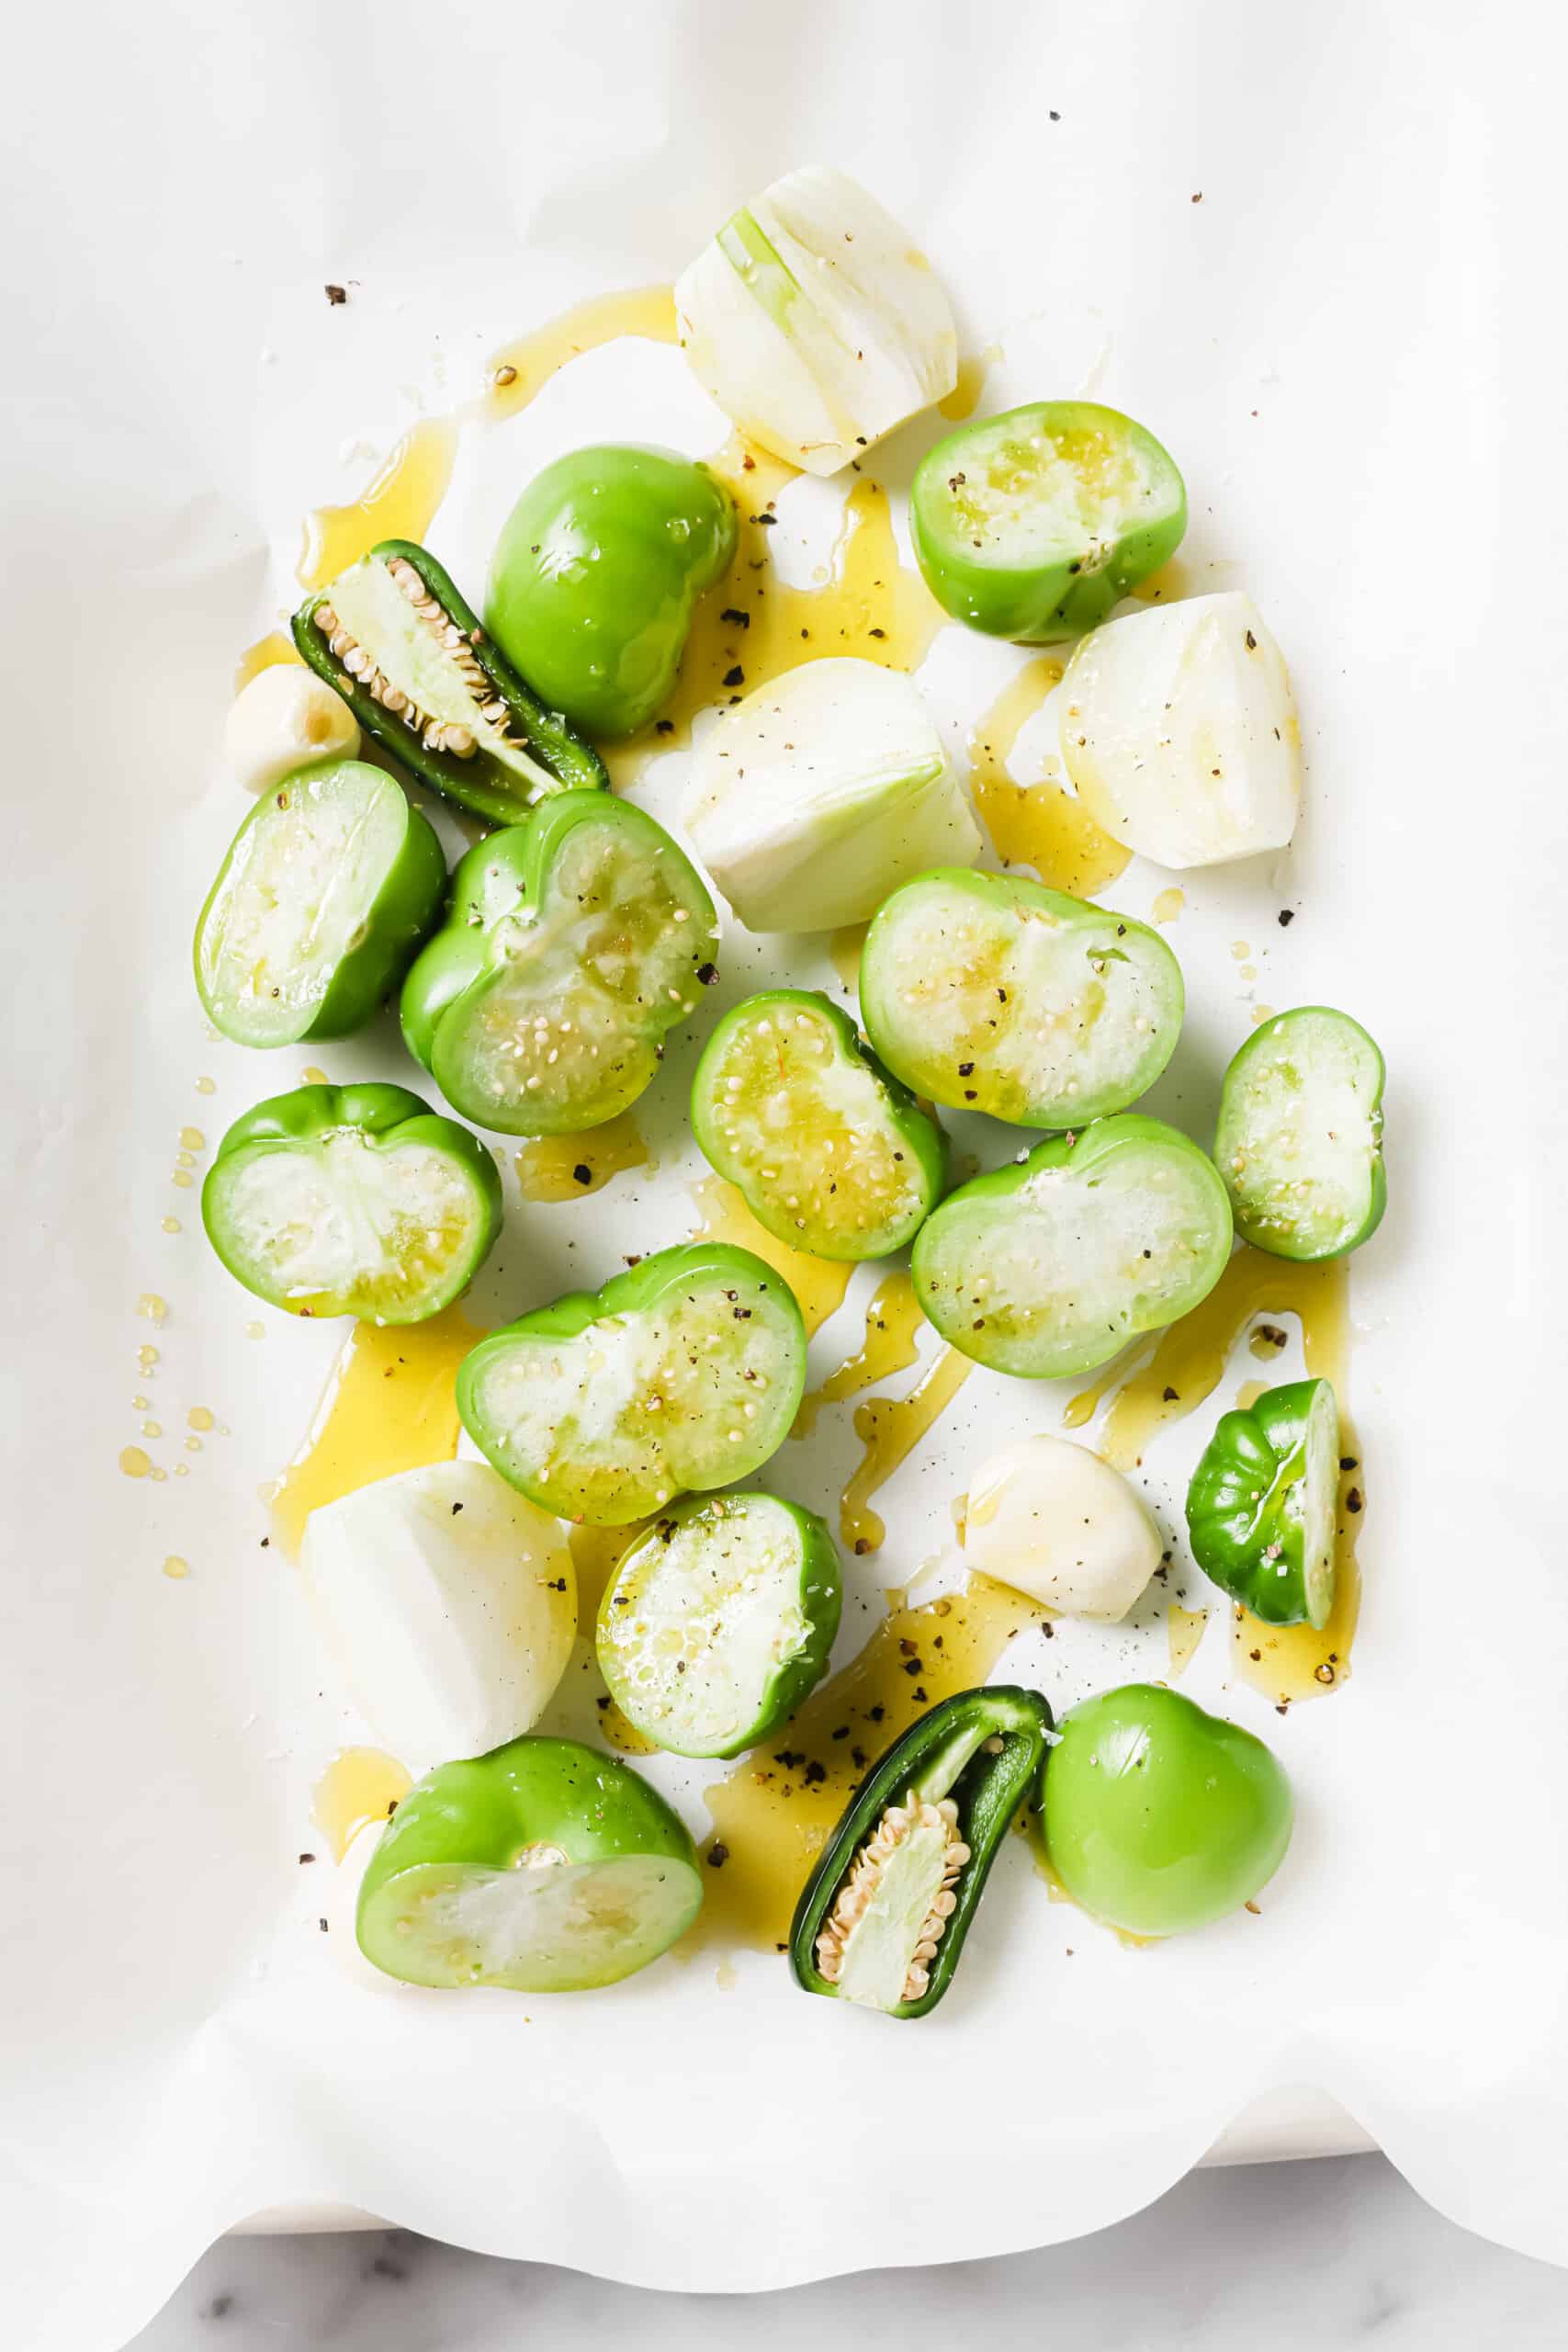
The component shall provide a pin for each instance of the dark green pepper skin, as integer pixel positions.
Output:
(386, 1116)
(562, 760)
(596, 575)
(1263, 1505)
(941, 1755)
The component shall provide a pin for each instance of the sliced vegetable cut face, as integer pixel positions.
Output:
(1300, 1136)
(1050, 1266)
(354, 1199)
(1263, 1503)
(882, 1918)
(989, 992)
(410, 659)
(572, 946)
(685, 1372)
(543, 1867)
(719, 1621)
(831, 1153)
(1032, 523)
(328, 887)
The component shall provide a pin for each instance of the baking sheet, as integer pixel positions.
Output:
(1338, 340)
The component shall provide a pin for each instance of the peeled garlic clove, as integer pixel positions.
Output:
(815, 322)
(448, 1604)
(1179, 733)
(1053, 1521)
(286, 718)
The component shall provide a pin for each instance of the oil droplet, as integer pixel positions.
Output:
(359, 1789)
(146, 1357)
(893, 1322)
(311, 1076)
(139, 1403)
(157, 1475)
(267, 653)
(182, 1469)
(818, 1283)
(1184, 1630)
(519, 373)
(390, 1404)
(399, 503)
(844, 948)
(151, 1307)
(198, 1417)
(890, 1428)
(1038, 823)
(1169, 904)
(964, 397)
(152, 1429)
(772, 1817)
(172, 1224)
(134, 1461)
(1240, 950)
(185, 1159)
(1260, 1013)
(724, 1975)
(193, 1445)
(176, 1567)
(1267, 1342)
(182, 1178)
(207, 1086)
(568, 1167)
(255, 1330)
(192, 1139)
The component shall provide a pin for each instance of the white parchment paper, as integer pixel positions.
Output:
(1347, 342)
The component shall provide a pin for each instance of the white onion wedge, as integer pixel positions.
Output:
(817, 794)
(1179, 733)
(1053, 1521)
(816, 323)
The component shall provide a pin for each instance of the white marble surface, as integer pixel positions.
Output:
(1333, 2253)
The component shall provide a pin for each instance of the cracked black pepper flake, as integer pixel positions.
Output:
(1348, 1462)
(307, 1857)
(456, 1508)
(337, 295)
(1171, 1396)
(1287, 917)
(664, 727)
(736, 618)
(718, 1854)
(708, 974)
(582, 1173)
(1353, 1500)
(734, 677)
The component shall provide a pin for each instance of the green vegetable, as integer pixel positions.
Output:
(572, 944)
(408, 657)
(1263, 1500)
(328, 887)
(1159, 1817)
(1049, 1266)
(989, 992)
(597, 573)
(885, 1911)
(543, 1867)
(352, 1200)
(832, 1154)
(717, 1621)
(685, 1373)
(1299, 1137)
(1032, 523)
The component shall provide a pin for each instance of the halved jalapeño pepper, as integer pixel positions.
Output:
(885, 1913)
(414, 664)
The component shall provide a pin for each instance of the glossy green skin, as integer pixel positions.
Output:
(499, 880)
(596, 575)
(821, 1599)
(486, 1813)
(639, 1291)
(1130, 1131)
(405, 907)
(480, 786)
(1243, 1536)
(1159, 1817)
(389, 1115)
(941, 1082)
(919, 1136)
(1300, 1249)
(1034, 603)
(939, 1756)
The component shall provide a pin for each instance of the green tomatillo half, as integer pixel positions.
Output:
(1263, 1502)
(328, 887)
(685, 1373)
(408, 657)
(1032, 524)
(1158, 1816)
(832, 1154)
(989, 992)
(1300, 1134)
(718, 1620)
(1050, 1266)
(352, 1200)
(596, 575)
(571, 946)
(543, 1867)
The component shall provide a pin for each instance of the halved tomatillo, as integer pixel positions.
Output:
(1299, 1137)
(352, 1200)
(685, 1373)
(990, 992)
(543, 1867)
(574, 943)
(718, 1620)
(1263, 1503)
(832, 1154)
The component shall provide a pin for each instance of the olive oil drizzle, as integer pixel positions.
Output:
(893, 1322)
(274, 651)
(818, 1283)
(360, 1789)
(568, 1167)
(1038, 823)
(890, 1428)
(399, 503)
